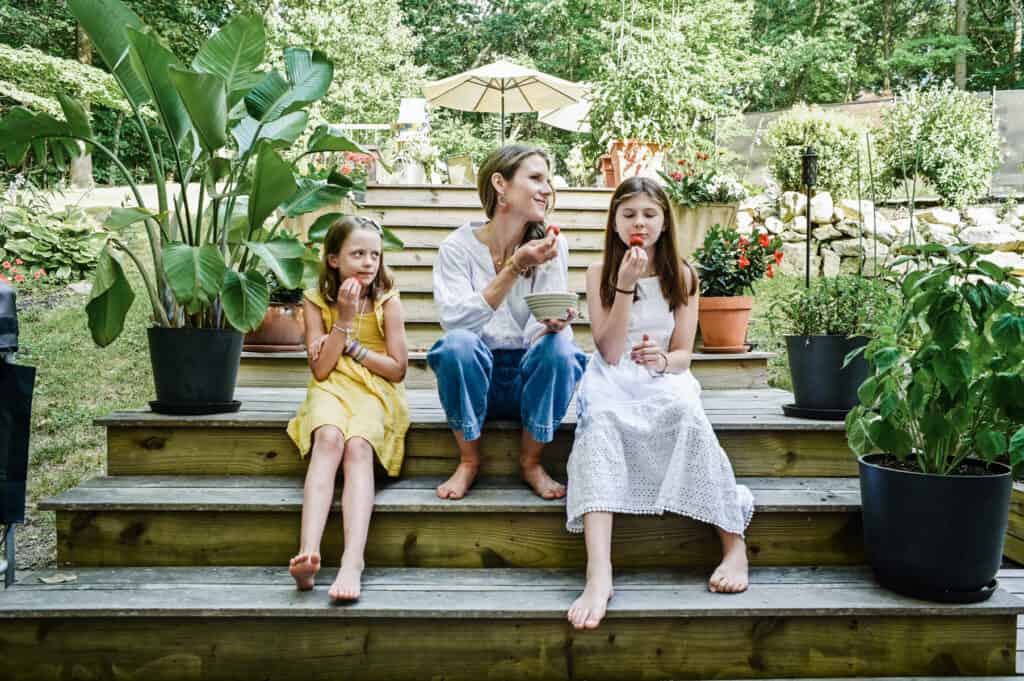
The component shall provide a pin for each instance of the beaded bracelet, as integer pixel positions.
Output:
(362, 354)
(352, 348)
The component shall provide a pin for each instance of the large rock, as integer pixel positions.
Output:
(1013, 261)
(998, 237)
(871, 267)
(851, 229)
(794, 237)
(902, 225)
(854, 211)
(793, 255)
(982, 216)
(822, 208)
(773, 225)
(939, 216)
(830, 262)
(855, 247)
(792, 204)
(939, 234)
(798, 224)
(826, 233)
(744, 223)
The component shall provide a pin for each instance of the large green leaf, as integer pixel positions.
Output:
(245, 297)
(1008, 331)
(280, 133)
(206, 103)
(75, 115)
(120, 218)
(272, 185)
(318, 230)
(106, 23)
(325, 138)
(283, 256)
(309, 77)
(21, 127)
(314, 195)
(110, 299)
(234, 53)
(152, 61)
(194, 273)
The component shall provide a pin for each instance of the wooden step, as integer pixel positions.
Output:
(759, 439)
(425, 234)
(1013, 547)
(424, 256)
(569, 218)
(184, 520)
(219, 624)
(290, 370)
(467, 194)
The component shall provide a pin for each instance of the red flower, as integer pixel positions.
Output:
(743, 262)
(19, 277)
(681, 162)
(778, 257)
(677, 176)
(762, 239)
(701, 156)
(346, 169)
(769, 273)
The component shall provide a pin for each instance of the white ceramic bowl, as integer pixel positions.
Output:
(550, 305)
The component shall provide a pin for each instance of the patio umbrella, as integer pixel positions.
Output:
(572, 117)
(503, 87)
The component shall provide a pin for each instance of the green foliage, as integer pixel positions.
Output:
(837, 306)
(947, 378)
(950, 137)
(835, 138)
(63, 244)
(701, 180)
(729, 263)
(38, 77)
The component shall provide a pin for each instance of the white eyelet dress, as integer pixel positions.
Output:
(643, 444)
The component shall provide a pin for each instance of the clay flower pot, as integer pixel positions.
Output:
(723, 322)
(282, 330)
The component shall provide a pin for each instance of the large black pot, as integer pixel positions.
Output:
(937, 537)
(194, 369)
(819, 379)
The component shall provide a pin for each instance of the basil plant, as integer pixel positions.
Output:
(231, 125)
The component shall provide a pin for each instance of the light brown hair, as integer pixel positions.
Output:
(667, 263)
(337, 235)
(506, 161)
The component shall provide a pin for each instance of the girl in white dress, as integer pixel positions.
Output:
(643, 443)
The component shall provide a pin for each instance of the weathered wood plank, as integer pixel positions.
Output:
(458, 649)
(428, 233)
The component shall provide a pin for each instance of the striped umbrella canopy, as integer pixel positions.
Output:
(503, 87)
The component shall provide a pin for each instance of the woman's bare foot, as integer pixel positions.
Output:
(588, 610)
(731, 575)
(303, 569)
(462, 479)
(348, 584)
(542, 483)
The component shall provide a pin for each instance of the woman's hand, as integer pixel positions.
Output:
(634, 264)
(649, 354)
(347, 302)
(536, 252)
(556, 325)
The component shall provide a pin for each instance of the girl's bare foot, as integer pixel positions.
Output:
(462, 479)
(303, 569)
(731, 575)
(348, 584)
(542, 483)
(588, 610)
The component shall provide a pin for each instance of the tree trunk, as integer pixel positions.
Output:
(1017, 9)
(81, 166)
(887, 46)
(960, 71)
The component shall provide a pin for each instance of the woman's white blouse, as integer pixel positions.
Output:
(464, 268)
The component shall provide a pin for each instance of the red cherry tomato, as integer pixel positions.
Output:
(553, 229)
(636, 240)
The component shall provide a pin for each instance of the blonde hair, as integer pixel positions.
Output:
(337, 235)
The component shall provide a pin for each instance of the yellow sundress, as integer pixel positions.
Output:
(353, 398)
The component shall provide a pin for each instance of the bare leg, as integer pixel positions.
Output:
(356, 509)
(533, 473)
(731, 574)
(462, 479)
(324, 459)
(588, 610)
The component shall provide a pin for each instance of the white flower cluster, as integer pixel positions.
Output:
(726, 189)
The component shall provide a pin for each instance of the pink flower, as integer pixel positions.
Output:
(19, 277)
(346, 169)
(38, 274)
(677, 176)
(19, 261)
(7, 264)
(744, 242)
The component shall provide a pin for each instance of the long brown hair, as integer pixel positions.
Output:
(506, 161)
(667, 263)
(337, 235)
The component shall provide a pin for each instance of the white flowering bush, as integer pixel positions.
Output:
(580, 171)
(949, 135)
(834, 137)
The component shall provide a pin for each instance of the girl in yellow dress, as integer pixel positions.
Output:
(355, 405)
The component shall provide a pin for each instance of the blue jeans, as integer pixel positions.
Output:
(532, 386)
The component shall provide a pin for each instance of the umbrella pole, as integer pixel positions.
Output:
(503, 114)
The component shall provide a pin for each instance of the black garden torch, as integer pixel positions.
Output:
(810, 178)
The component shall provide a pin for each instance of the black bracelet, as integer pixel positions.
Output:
(623, 290)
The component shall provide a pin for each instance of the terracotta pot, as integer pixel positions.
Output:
(633, 157)
(283, 330)
(608, 171)
(723, 322)
(692, 224)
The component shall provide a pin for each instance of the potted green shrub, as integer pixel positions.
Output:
(283, 328)
(702, 194)
(728, 265)
(940, 426)
(227, 123)
(824, 324)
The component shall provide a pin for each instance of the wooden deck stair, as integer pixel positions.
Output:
(178, 553)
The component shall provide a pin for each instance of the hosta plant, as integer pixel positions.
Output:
(947, 379)
(231, 126)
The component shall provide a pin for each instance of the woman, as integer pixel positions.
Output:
(496, 360)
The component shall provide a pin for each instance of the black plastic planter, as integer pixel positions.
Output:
(194, 370)
(822, 388)
(936, 537)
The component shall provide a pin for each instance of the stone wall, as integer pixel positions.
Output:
(846, 232)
